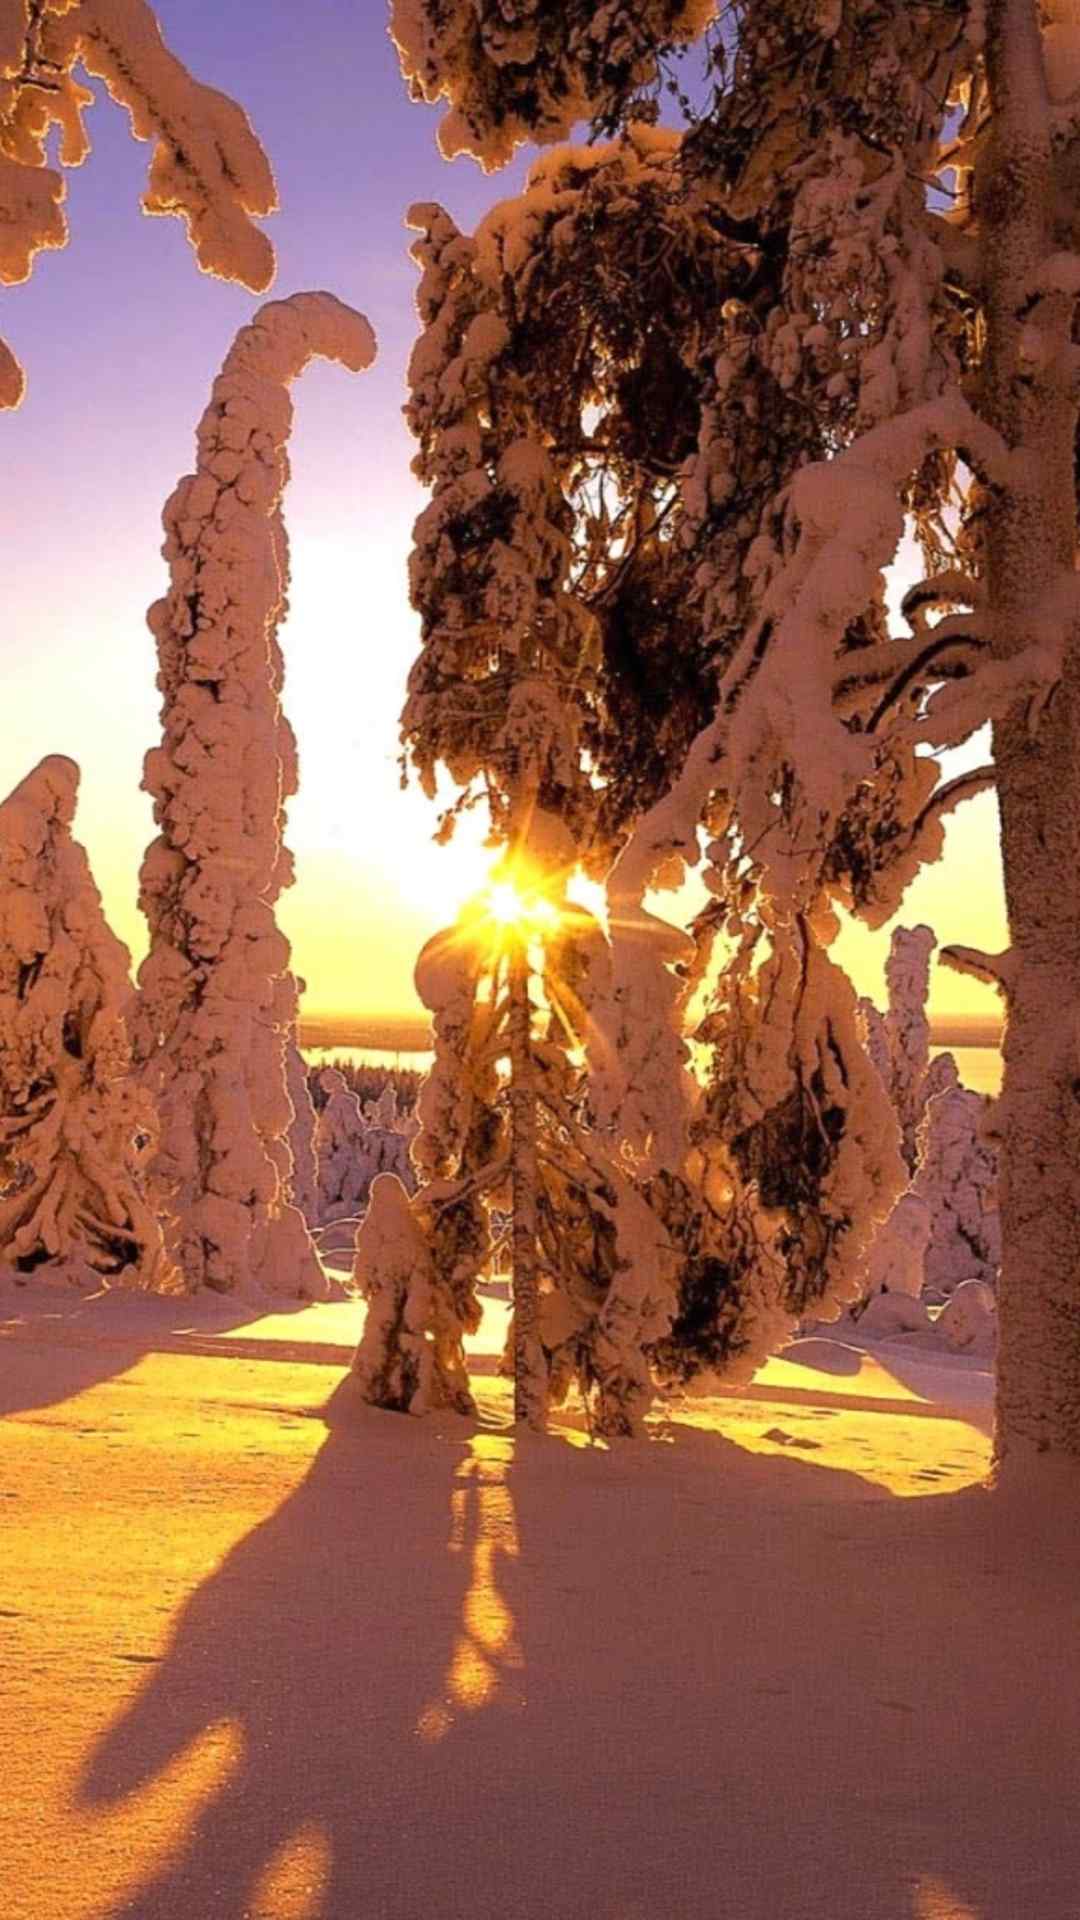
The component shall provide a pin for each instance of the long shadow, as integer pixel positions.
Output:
(790, 1696)
(56, 1344)
(325, 1641)
(523, 1681)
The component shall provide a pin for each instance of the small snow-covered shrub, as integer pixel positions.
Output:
(889, 1313)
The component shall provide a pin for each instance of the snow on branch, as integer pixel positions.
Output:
(207, 164)
(529, 73)
(777, 748)
(217, 1005)
(993, 969)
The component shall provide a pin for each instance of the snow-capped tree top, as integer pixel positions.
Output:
(211, 985)
(42, 869)
(207, 165)
(526, 70)
(74, 1124)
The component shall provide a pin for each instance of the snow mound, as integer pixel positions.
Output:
(823, 1355)
(889, 1313)
(968, 1321)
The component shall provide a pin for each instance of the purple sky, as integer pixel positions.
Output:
(120, 336)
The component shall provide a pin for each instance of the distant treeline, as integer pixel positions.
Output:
(368, 1083)
(414, 1035)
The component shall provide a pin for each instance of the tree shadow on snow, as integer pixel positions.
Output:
(511, 1680)
(56, 1343)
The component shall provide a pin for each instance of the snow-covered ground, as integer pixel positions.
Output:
(272, 1655)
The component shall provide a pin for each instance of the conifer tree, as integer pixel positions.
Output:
(899, 1038)
(217, 1005)
(543, 545)
(895, 181)
(503, 1126)
(76, 1128)
(554, 343)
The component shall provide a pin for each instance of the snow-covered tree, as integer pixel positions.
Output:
(303, 1176)
(418, 1263)
(512, 574)
(898, 178)
(75, 1126)
(946, 1228)
(341, 1151)
(558, 332)
(897, 1261)
(957, 1182)
(502, 1127)
(217, 1005)
(899, 1038)
(207, 164)
(382, 1112)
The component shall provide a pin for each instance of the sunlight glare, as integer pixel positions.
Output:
(935, 1901)
(512, 908)
(506, 904)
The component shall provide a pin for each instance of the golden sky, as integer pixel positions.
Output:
(121, 337)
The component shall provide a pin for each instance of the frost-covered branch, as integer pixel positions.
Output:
(997, 970)
(530, 73)
(207, 164)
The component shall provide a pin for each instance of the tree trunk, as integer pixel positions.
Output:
(1031, 546)
(530, 1380)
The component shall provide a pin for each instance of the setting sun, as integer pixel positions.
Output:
(539, 932)
(509, 906)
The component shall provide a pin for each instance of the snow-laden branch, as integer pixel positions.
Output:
(207, 164)
(776, 695)
(214, 1018)
(512, 75)
(997, 970)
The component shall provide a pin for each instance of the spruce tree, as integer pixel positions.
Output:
(891, 188)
